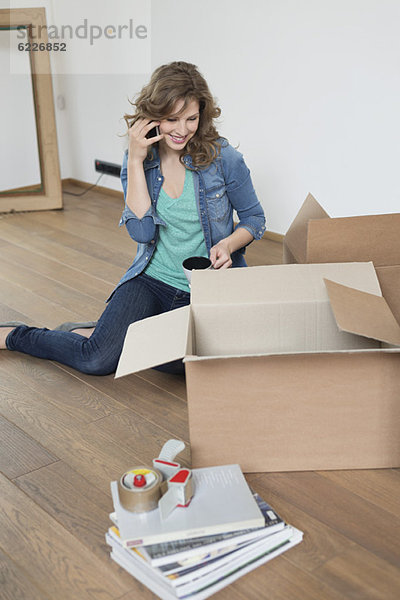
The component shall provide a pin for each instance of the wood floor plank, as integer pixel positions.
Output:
(264, 252)
(359, 575)
(70, 394)
(148, 439)
(78, 225)
(71, 257)
(174, 384)
(53, 559)
(71, 240)
(282, 580)
(45, 265)
(39, 310)
(15, 584)
(321, 542)
(353, 516)
(10, 314)
(101, 207)
(229, 593)
(140, 593)
(147, 400)
(79, 506)
(19, 453)
(50, 290)
(379, 486)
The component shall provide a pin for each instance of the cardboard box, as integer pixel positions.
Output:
(314, 237)
(273, 383)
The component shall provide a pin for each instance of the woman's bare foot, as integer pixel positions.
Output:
(85, 332)
(4, 331)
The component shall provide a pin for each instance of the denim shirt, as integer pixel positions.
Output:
(225, 185)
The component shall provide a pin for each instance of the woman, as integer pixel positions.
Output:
(181, 187)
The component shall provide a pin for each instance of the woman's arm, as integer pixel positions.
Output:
(137, 195)
(244, 200)
(241, 193)
(138, 213)
(220, 254)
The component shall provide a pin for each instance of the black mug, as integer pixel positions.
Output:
(195, 262)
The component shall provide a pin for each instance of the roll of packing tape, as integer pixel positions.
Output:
(140, 489)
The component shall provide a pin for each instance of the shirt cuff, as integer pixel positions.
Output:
(254, 227)
(129, 214)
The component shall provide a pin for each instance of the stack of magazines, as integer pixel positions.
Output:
(197, 567)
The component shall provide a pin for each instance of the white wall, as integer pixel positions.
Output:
(309, 88)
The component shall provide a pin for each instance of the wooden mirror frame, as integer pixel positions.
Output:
(50, 195)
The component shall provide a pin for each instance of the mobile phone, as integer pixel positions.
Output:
(153, 132)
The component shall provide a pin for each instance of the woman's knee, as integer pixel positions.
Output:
(99, 363)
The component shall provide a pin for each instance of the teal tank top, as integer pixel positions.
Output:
(181, 238)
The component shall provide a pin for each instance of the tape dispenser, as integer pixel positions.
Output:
(165, 486)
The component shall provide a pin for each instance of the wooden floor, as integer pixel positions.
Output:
(65, 436)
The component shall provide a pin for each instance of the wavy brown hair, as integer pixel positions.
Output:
(181, 81)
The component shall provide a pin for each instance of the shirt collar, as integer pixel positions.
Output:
(155, 161)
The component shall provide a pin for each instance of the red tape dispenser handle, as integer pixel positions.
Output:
(180, 492)
(166, 462)
(167, 468)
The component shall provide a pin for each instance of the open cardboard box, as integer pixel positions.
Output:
(314, 237)
(275, 382)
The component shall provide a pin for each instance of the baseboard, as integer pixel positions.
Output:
(275, 237)
(99, 188)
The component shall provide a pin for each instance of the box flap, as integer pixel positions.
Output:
(154, 341)
(296, 236)
(365, 238)
(278, 283)
(362, 313)
(389, 279)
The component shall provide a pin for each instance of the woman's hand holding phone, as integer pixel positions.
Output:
(137, 195)
(139, 139)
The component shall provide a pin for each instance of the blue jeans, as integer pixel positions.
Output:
(136, 299)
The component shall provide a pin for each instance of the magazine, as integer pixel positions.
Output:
(210, 568)
(163, 589)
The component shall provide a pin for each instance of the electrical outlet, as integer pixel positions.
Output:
(107, 168)
(60, 102)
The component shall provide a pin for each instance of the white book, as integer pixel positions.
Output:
(201, 548)
(222, 502)
(145, 574)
